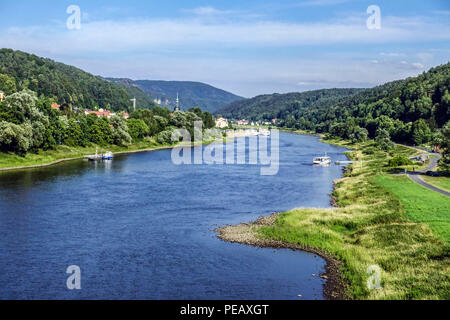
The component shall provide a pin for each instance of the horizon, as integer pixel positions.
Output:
(247, 49)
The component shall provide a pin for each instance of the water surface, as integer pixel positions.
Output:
(141, 227)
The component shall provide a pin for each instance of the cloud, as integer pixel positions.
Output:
(215, 50)
(129, 35)
(208, 11)
(320, 3)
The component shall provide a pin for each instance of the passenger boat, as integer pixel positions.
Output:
(322, 161)
(107, 155)
(264, 132)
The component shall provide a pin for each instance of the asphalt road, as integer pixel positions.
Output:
(416, 176)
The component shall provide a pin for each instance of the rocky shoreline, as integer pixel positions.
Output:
(245, 233)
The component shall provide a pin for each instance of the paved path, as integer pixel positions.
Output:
(417, 179)
(416, 176)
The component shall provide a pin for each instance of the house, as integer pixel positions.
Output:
(221, 123)
(274, 120)
(242, 122)
(56, 106)
(2, 96)
(105, 113)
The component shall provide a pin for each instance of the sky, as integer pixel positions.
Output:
(247, 47)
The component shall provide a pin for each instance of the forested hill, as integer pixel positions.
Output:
(67, 84)
(191, 94)
(280, 106)
(408, 111)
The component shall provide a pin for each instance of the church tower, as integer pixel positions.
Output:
(177, 106)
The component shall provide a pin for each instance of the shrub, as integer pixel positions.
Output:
(399, 160)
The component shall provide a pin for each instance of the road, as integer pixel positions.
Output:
(416, 176)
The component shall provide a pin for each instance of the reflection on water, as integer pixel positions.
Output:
(141, 227)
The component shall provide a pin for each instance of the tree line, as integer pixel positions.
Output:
(28, 123)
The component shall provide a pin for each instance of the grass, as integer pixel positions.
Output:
(379, 220)
(439, 182)
(421, 204)
(10, 160)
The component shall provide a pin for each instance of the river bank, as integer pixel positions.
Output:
(244, 233)
(10, 161)
(369, 227)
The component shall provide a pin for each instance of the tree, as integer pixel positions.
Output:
(15, 138)
(120, 135)
(137, 128)
(383, 140)
(421, 132)
(444, 143)
(7, 84)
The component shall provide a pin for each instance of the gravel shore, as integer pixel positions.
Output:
(245, 233)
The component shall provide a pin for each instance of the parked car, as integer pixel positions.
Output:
(433, 173)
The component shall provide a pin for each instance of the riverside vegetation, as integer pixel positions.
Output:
(379, 219)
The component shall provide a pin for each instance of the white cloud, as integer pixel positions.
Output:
(119, 36)
(207, 11)
(417, 65)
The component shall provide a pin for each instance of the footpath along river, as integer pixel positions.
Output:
(141, 227)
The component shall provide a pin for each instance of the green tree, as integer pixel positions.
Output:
(7, 84)
(383, 140)
(421, 132)
(137, 128)
(120, 135)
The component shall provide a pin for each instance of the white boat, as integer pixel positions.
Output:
(322, 161)
(94, 157)
(264, 132)
(107, 155)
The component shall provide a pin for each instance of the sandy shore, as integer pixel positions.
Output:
(245, 233)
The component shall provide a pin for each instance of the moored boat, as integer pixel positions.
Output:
(107, 155)
(322, 161)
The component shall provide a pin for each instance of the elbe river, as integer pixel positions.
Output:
(141, 227)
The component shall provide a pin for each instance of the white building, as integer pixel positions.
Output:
(221, 123)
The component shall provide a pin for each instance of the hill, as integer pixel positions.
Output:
(266, 107)
(191, 94)
(67, 84)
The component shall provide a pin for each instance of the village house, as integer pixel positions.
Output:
(105, 113)
(56, 106)
(221, 123)
(242, 122)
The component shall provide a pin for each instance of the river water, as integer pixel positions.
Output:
(141, 227)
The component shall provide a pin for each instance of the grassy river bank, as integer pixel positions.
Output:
(380, 220)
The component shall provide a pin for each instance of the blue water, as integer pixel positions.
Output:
(140, 227)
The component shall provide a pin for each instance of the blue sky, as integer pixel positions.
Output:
(247, 47)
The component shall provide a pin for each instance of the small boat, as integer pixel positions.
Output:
(107, 155)
(264, 132)
(94, 157)
(322, 161)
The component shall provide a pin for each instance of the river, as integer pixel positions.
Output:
(141, 227)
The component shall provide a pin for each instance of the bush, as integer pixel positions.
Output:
(399, 161)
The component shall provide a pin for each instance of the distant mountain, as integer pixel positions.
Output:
(269, 106)
(68, 84)
(191, 94)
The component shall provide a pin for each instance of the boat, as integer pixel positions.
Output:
(94, 157)
(107, 155)
(264, 132)
(322, 161)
